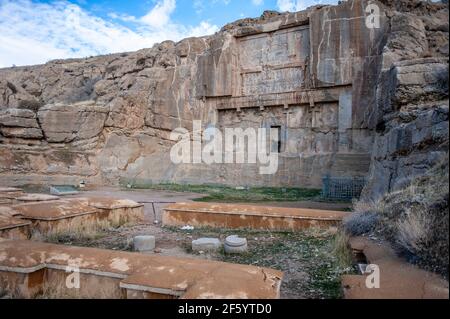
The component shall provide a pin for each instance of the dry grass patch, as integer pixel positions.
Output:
(415, 220)
(87, 227)
(342, 250)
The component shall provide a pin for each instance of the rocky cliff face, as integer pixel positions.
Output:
(412, 98)
(330, 83)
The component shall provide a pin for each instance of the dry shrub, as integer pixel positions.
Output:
(87, 227)
(358, 224)
(321, 232)
(365, 217)
(56, 290)
(50, 290)
(71, 229)
(125, 217)
(342, 250)
(415, 219)
(414, 229)
(420, 233)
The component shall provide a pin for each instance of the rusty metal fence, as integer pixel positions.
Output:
(342, 188)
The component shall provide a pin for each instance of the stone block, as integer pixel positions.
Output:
(144, 243)
(18, 118)
(206, 244)
(22, 132)
(235, 245)
(68, 122)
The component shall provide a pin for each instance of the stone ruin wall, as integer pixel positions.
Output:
(315, 74)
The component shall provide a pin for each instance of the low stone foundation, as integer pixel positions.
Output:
(248, 216)
(28, 269)
(74, 215)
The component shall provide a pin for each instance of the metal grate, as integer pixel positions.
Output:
(63, 190)
(343, 188)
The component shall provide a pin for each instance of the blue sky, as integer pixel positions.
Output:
(193, 12)
(36, 31)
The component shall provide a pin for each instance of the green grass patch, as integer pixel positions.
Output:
(308, 262)
(311, 267)
(231, 194)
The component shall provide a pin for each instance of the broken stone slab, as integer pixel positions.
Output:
(8, 195)
(235, 245)
(144, 243)
(37, 198)
(9, 189)
(206, 244)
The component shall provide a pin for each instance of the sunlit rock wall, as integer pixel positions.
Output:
(314, 74)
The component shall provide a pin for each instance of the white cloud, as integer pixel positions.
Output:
(202, 29)
(298, 5)
(257, 2)
(199, 6)
(160, 14)
(122, 17)
(291, 5)
(32, 33)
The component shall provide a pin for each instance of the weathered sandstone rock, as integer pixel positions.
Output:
(331, 84)
(65, 123)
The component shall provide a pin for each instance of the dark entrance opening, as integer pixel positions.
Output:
(277, 146)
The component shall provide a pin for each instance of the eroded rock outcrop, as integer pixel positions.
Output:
(412, 99)
(67, 123)
(21, 123)
(318, 75)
